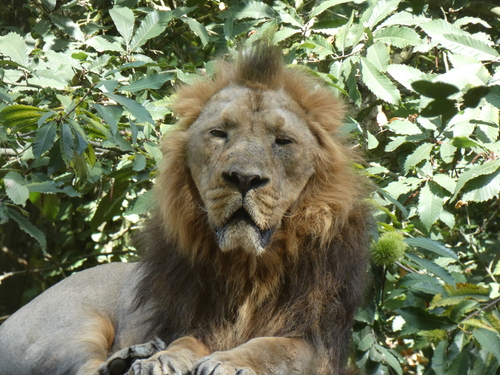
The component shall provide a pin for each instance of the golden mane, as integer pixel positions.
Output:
(318, 252)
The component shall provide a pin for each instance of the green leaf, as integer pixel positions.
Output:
(67, 142)
(445, 182)
(135, 109)
(432, 267)
(421, 153)
(462, 308)
(139, 162)
(405, 74)
(378, 55)
(473, 172)
(423, 320)
(15, 189)
(428, 244)
(44, 139)
(152, 25)
(20, 117)
(255, 10)
(320, 8)
(404, 127)
(29, 228)
(468, 46)
(397, 36)
(379, 12)
(123, 19)
(378, 83)
(68, 26)
(438, 362)
(489, 340)
(152, 82)
(13, 46)
(430, 204)
(199, 29)
(482, 188)
(435, 90)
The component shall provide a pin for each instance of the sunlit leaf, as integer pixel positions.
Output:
(378, 83)
(123, 19)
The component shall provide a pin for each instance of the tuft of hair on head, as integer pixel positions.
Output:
(260, 66)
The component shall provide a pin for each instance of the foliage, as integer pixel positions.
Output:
(84, 94)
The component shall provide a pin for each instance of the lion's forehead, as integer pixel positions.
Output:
(271, 110)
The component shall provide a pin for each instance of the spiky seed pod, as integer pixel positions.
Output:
(388, 249)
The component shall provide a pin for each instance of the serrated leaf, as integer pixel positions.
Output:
(423, 320)
(320, 8)
(432, 267)
(152, 82)
(390, 359)
(102, 44)
(378, 55)
(152, 25)
(29, 228)
(67, 142)
(199, 29)
(14, 46)
(473, 172)
(68, 26)
(44, 139)
(15, 189)
(135, 109)
(430, 204)
(421, 153)
(255, 10)
(123, 18)
(428, 244)
(397, 36)
(435, 90)
(379, 12)
(404, 127)
(405, 75)
(378, 83)
(19, 117)
(482, 188)
(490, 341)
(445, 182)
(468, 46)
(462, 308)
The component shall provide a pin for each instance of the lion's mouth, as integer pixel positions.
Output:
(241, 230)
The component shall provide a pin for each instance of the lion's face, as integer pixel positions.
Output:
(250, 154)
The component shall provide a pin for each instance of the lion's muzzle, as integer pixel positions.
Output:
(240, 231)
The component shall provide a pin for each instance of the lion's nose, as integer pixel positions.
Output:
(244, 182)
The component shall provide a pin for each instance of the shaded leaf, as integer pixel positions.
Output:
(29, 228)
(44, 139)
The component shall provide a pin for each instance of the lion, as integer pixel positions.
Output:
(255, 257)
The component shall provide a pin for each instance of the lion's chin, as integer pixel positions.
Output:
(240, 232)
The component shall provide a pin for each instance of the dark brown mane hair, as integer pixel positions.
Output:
(309, 282)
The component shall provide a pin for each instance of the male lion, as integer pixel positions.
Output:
(255, 257)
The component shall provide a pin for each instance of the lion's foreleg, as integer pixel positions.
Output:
(152, 358)
(263, 355)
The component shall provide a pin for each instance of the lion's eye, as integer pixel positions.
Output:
(283, 141)
(218, 133)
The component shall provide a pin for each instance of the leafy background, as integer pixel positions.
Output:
(84, 94)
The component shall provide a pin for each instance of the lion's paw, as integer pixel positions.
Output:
(218, 364)
(160, 364)
(119, 363)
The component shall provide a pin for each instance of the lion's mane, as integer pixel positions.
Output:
(317, 258)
